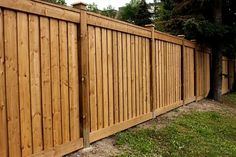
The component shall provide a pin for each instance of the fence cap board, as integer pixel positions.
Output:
(43, 8)
(114, 24)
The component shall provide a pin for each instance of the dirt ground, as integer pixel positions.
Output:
(107, 148)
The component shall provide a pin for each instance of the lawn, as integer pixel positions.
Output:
(196, 133)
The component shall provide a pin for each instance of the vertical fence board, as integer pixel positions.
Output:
(110, 77)
(105, 77)
(55, 72)
(129, 94)
(133, 93)
(73, 81)
(12, 90)
(64, 81)
(125, 89)
(92, 76)
(3, 114)
(115, 77)
(46, 82)
(24, 83)
(99, 77)
(36, 111)
(120, 77)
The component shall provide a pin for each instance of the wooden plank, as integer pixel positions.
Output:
(99, 77)
(61, 150)
(93, 80)
(39, 8)
(125, 89)
(55, 72)
(83, 51)
(133, 93)
(3, 114)
(161, 73)
(36, 103)
(144, 76)
(120, 77)
(46, 83)
(110, 77)
(129, 95)
(105, 78)
(24, 83)
(119, 127)
(137, 74)
(116, 25)
(12, 87)
(64, 81)
(140, 75)
(167, 37)
(157, 74)
(115, 77)
(73, 81)
(148, 65)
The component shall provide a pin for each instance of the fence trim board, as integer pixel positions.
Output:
(100, 134)
(42, 8)
(61, 150)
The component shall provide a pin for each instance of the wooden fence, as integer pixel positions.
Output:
(228, 74)
(69, 77)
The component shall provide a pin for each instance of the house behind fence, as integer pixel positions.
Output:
(69, 77)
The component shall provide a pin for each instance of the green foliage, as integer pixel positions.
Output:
(61, 2)
(136, 12)
(93, 8)
(195, 134)
(109, 11)
(128, 12)
(195, 19)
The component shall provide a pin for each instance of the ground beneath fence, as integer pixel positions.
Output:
(107, 147)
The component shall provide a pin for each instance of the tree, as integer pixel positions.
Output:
(204, 20)
(61, 2)
(136, 12)
(142, 16)
(93, 8)
(109, 12)
(128, 12)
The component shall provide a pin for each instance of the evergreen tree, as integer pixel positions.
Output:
(143, 15)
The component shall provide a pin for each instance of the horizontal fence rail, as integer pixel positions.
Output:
(69, 77)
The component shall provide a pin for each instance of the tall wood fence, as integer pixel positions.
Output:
(69, 77)
(228, 74)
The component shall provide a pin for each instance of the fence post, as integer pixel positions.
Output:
(152, 69)
(195, 69)
(182, 68)
(83, 60)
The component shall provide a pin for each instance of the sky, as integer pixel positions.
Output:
(104, 3)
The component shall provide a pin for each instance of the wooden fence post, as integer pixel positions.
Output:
(83, 60)
(152, 69)
(182, 68)
(195, 69)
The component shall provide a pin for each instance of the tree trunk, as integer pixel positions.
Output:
(217, 55)
(216, 74)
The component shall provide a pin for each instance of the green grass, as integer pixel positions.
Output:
(191, 135)
(230, 99)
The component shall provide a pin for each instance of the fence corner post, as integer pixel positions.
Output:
(152, 69)
(83, 71)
